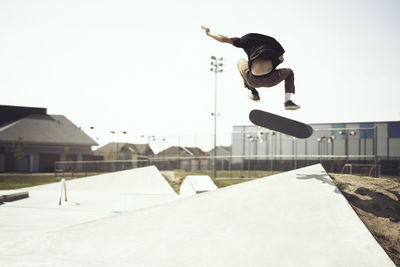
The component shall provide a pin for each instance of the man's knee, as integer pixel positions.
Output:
(243, 67)
(242, 63)
(286, 73)
(289, 72)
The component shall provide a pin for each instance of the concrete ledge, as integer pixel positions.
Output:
(15, 196)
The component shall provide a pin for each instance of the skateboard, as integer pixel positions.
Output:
(280, 124)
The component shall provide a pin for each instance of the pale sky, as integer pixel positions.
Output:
(144, 66)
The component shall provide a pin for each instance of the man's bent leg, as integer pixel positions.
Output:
(244, 70)
(275, 78)
(288, 76)
(243, 67)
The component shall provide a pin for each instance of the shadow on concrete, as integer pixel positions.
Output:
(323, 177)
(379, 204)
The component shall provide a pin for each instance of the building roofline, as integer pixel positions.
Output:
(51, 144)
(323, 123)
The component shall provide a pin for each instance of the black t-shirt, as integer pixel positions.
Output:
(260, 46)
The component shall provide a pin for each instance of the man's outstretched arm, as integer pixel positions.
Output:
(218, 37)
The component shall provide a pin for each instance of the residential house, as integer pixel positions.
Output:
(137, 153)
(32, 140)
(186, 158)
(223, 154)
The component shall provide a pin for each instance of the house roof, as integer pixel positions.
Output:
(221, 151)
(171, 151)
(45, 129)
(106, 148)
(182, 151)
(9, 114)
(196, 151)
(141, 149)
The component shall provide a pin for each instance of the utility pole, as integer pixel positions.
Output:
(216, 68)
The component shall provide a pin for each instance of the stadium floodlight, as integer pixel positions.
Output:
(217, 68)
(261, 136)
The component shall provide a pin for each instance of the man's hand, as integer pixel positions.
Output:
(218, 37)
(207, 30)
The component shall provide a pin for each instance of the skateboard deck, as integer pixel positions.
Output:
(280, 124)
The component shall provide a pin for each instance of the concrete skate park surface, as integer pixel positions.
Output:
(88, 199)
(297, 218)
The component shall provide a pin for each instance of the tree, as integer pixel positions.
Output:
(19, 149)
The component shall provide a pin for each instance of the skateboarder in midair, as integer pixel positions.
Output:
(264, 55)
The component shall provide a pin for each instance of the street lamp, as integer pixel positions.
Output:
(259, 137)
(84, 128)
(217, 65)
(347, 134)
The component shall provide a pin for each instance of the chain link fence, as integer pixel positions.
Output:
(226, 167)
(250, 149)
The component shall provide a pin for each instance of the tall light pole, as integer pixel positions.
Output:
(216, 67)
(346, 134)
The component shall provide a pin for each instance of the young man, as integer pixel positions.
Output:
(264, 54)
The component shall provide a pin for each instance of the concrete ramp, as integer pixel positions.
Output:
(88, 199)
(297, 218)
(146, 180)
(196, 184)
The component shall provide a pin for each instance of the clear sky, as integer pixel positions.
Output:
(144, 66)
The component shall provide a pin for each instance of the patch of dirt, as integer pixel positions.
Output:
(174, 180)
(377, 203)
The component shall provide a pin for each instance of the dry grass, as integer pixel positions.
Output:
(176, 177)
(10, 181)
